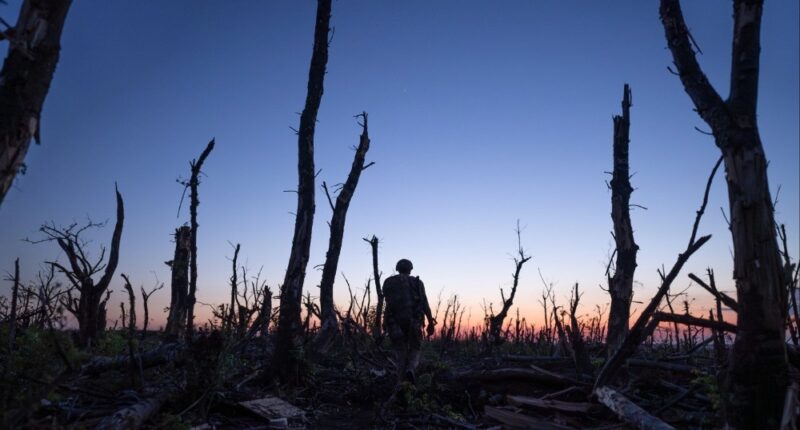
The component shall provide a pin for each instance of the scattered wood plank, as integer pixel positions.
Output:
(271, 407)
(563, 392)
(517, 420)
(629, 411)
(557, 376)
(553, 405)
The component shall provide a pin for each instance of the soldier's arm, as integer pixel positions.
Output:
(424, 297)
(388, 316)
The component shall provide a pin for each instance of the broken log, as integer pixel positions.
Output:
(132, 417)
(629, 411)
(168, 352)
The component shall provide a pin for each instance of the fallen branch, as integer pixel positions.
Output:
(700, 322)
(629, 411)
(132, 417)
(724, 298)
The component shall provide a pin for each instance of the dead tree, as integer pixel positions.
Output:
(496, 321)
(176, 320)
(5, 393)
(758, 370)
(35, 45)
(145, 299)
(644, 324)
(194, 182)
(12, 318)
(262, 303)
(234, 292)
(329, 324)
(620, 285)
(292, 288)
(89, 308)
(581, 356)
(376, 275)
(47, 292)
(133, 368)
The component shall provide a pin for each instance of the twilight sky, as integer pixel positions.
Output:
(481, 113)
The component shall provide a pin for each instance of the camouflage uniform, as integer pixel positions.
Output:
(406, 307)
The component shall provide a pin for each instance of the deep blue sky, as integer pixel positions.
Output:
(481, 113)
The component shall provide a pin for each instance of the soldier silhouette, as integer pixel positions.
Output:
(406, 307)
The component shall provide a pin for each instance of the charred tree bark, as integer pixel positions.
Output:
(292, 289)
(90, 306)
(758, 370)
(194, 182)
(176, 320)
(329, 324)
(620, 285)
(376, 275)
(25, 80)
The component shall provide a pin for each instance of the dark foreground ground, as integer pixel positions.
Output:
(222, 383)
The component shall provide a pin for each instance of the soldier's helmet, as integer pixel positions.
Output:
(404, 266)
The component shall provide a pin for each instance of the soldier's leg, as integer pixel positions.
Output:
(414, 344)
(400, 347)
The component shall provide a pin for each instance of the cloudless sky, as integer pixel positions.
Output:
(480, 114)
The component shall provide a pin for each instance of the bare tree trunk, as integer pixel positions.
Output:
(133, 368)
(292, 289)
(145, 299)
(583, 363)
(329, 324)
(234, 293)
(620, 285)
(90, 307)
(25, 80)
(12, 318)
(194, 182)
(176, 320)
(496, 321)
(6, 391)
(376, 275)
(758, 370)
(644, 325)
